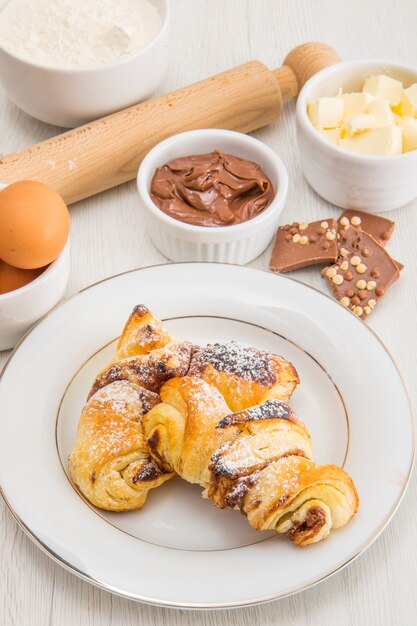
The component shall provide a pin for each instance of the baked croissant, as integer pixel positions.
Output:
(262, 466)
(110, 462)
(257, 459)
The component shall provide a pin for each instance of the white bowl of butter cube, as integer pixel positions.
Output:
(357, 134)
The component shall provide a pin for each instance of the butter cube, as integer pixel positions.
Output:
(384, 88)
(380, 141)
(408, 104)
(355, 103)
(332, 134)
(409, 131)
(326, 112)
(358, 124)
(381, 111)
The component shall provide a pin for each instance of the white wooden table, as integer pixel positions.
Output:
(109, 236)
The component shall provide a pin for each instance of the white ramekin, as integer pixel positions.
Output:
(71, 97)
(346, 179)
(238, 243)
(21, 308)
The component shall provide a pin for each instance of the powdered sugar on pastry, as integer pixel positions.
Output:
(233, 358)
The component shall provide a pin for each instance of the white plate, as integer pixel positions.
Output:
(179, 550)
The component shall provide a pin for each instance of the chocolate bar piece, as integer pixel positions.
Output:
(363, 272)
(380, 228)
(301, 243)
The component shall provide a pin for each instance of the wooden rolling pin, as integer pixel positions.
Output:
(107, 152)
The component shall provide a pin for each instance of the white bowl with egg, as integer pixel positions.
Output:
(236, 243)
(72, 96)
(348, 179)
(21, 308)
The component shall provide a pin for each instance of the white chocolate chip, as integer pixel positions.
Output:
(361, 268)
(344, 265)
(324, 225)
(331, 272)
(345, 301)
(344, 221)
(304, 240)
(296, 238)
(358, 310)
(356, 220)
(338, 279)
(370, 285)
(367, 309)
(355, 260)
(331, 235)
(303, 225)
(361, 284)
(372, 303)
(344, 252)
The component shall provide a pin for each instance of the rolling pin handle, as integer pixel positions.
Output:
(301, 64)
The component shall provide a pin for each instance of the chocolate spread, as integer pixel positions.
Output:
(213, 189)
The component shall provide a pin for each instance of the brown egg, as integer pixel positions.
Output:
(34, 224)
(12, 278)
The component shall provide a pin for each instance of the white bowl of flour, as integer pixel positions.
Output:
(68, 62)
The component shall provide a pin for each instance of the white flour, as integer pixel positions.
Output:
(77, 33)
